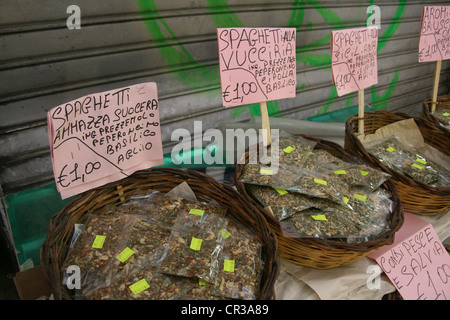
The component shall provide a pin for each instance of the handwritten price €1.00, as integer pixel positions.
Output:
(76, 173)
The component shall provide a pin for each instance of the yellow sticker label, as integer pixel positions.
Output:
(320, 181)
(228, 265)
(360, 197)
(446, 114)
(288, 149)
(281, 191)
(421, 161)
(139, 286)
(319, 217)
(266, 171)
(196, 244)
(310, 153)
(390, 149)
(224, 233)
(340, 172)
(98, 242)
(125, 254)
(364, 173)
(197, 212)
(202, 282)
(346, 200)
(418, 166)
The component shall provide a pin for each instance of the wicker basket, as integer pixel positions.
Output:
(55, 247)
(416, 197)
(320, 253)
(442, 101)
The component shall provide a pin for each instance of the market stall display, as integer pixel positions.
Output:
(221, 230)
(321, 220)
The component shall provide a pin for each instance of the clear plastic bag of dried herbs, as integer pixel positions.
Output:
(316, 223)
(146, 284)
(145, 247)
(406, 159)
(361, 175)
(240, 263)
(314, 184)
(195, 243)
(159, 207)
(282, 203)
(443, 115)
(96, 248)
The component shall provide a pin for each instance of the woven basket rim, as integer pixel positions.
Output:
(60, 229)
(335, 247)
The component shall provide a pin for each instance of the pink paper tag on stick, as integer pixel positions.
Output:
(256, 64)
(434, 41)
(354, 59)
(104, 137)
(417, 263)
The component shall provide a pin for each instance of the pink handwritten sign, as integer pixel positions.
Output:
(103, 137)
(434, 42)
(417, 263)
(354, 59)
(256, 64)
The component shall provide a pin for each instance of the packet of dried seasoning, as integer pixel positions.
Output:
(195, 243)
(379, 217)
(361, 175)
(147, 284)
(240, 263)
(263, 175)
(294, 150)
(443, 115)
(160, 207)
(145, 246)
(318, 185)
(283, 203)
(320, 224)
(322, 161)
(96, 247)
(405, 159)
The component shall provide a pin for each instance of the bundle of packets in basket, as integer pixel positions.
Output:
(411, 161)
(443, 116)
(314, 194)
(159, 246)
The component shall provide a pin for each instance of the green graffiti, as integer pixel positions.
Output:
(181, 63)
(380, 101)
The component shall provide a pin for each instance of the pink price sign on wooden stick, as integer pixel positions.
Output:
(354, 63)
(434, 41)
(354, 59)
(104, 137)
(257, 65)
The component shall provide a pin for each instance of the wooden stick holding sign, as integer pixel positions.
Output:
(354, 63)
(437, 73)
(361, 111)
(433, 41)
(257, 65)
(265, 124)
